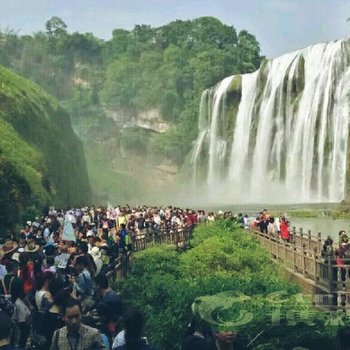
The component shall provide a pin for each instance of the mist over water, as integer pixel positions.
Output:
(287, 140)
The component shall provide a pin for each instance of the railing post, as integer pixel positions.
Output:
(319, 236)
(333, 283)
(330, 272)
(294, 249)
(309, 240)
(294, 233)
(303, 258)
(315, 264)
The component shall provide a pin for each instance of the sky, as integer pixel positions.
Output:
(280, 26)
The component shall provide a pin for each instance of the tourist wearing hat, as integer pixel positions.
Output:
(6, 250)
(8, 247)
(31, 247)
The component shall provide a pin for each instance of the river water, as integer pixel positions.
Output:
(325, 225)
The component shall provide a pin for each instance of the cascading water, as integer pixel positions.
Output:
(285, 140)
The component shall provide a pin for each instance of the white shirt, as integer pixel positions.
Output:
(46, 233)
(86, 218)
(98, 263)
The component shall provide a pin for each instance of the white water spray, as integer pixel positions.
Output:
(289, 140)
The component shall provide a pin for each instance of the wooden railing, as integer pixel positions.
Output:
(179, 238)
(303, 256)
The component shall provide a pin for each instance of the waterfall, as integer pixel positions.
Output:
(280, 134)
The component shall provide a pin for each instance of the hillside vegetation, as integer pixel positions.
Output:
(41, 159)
(164, 69)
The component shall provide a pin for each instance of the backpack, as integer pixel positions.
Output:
(6, 304)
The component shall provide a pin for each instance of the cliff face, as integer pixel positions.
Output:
(41, 159)
(149, 120)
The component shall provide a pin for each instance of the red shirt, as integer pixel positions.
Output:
(28, 281)
(284, 230)
(194, 218)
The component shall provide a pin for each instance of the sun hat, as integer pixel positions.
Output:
(9, 247)
(31, 248)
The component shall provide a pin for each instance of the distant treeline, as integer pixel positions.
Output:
(165, 68)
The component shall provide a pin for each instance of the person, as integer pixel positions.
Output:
(22, 314)
(75, 335)
(10, 278)
(6, 330)
(284, 229)
(133, 323)
(105, 226)
(61, 260)
(3, 270)
(26, 273)
(83, 248)
(52, 318)
(225, 340)
(327, 247)
(271, 228)
(110, 306)
(83, 285)
(96, 254)
(246, 221)
(42, 296)
(125, 241)
(50, 265)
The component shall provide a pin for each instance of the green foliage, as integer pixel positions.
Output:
(164, 68)
(224, 279)
(147, 67)
(37, 168)
(161, 259)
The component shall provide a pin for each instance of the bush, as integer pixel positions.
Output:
(229, 282)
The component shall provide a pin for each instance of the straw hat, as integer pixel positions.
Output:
(9, 247)
(31, 248)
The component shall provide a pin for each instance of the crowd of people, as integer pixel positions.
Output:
(54, 275)
(277, 227)
(55, 292)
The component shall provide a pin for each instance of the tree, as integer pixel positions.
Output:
(56, 27)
